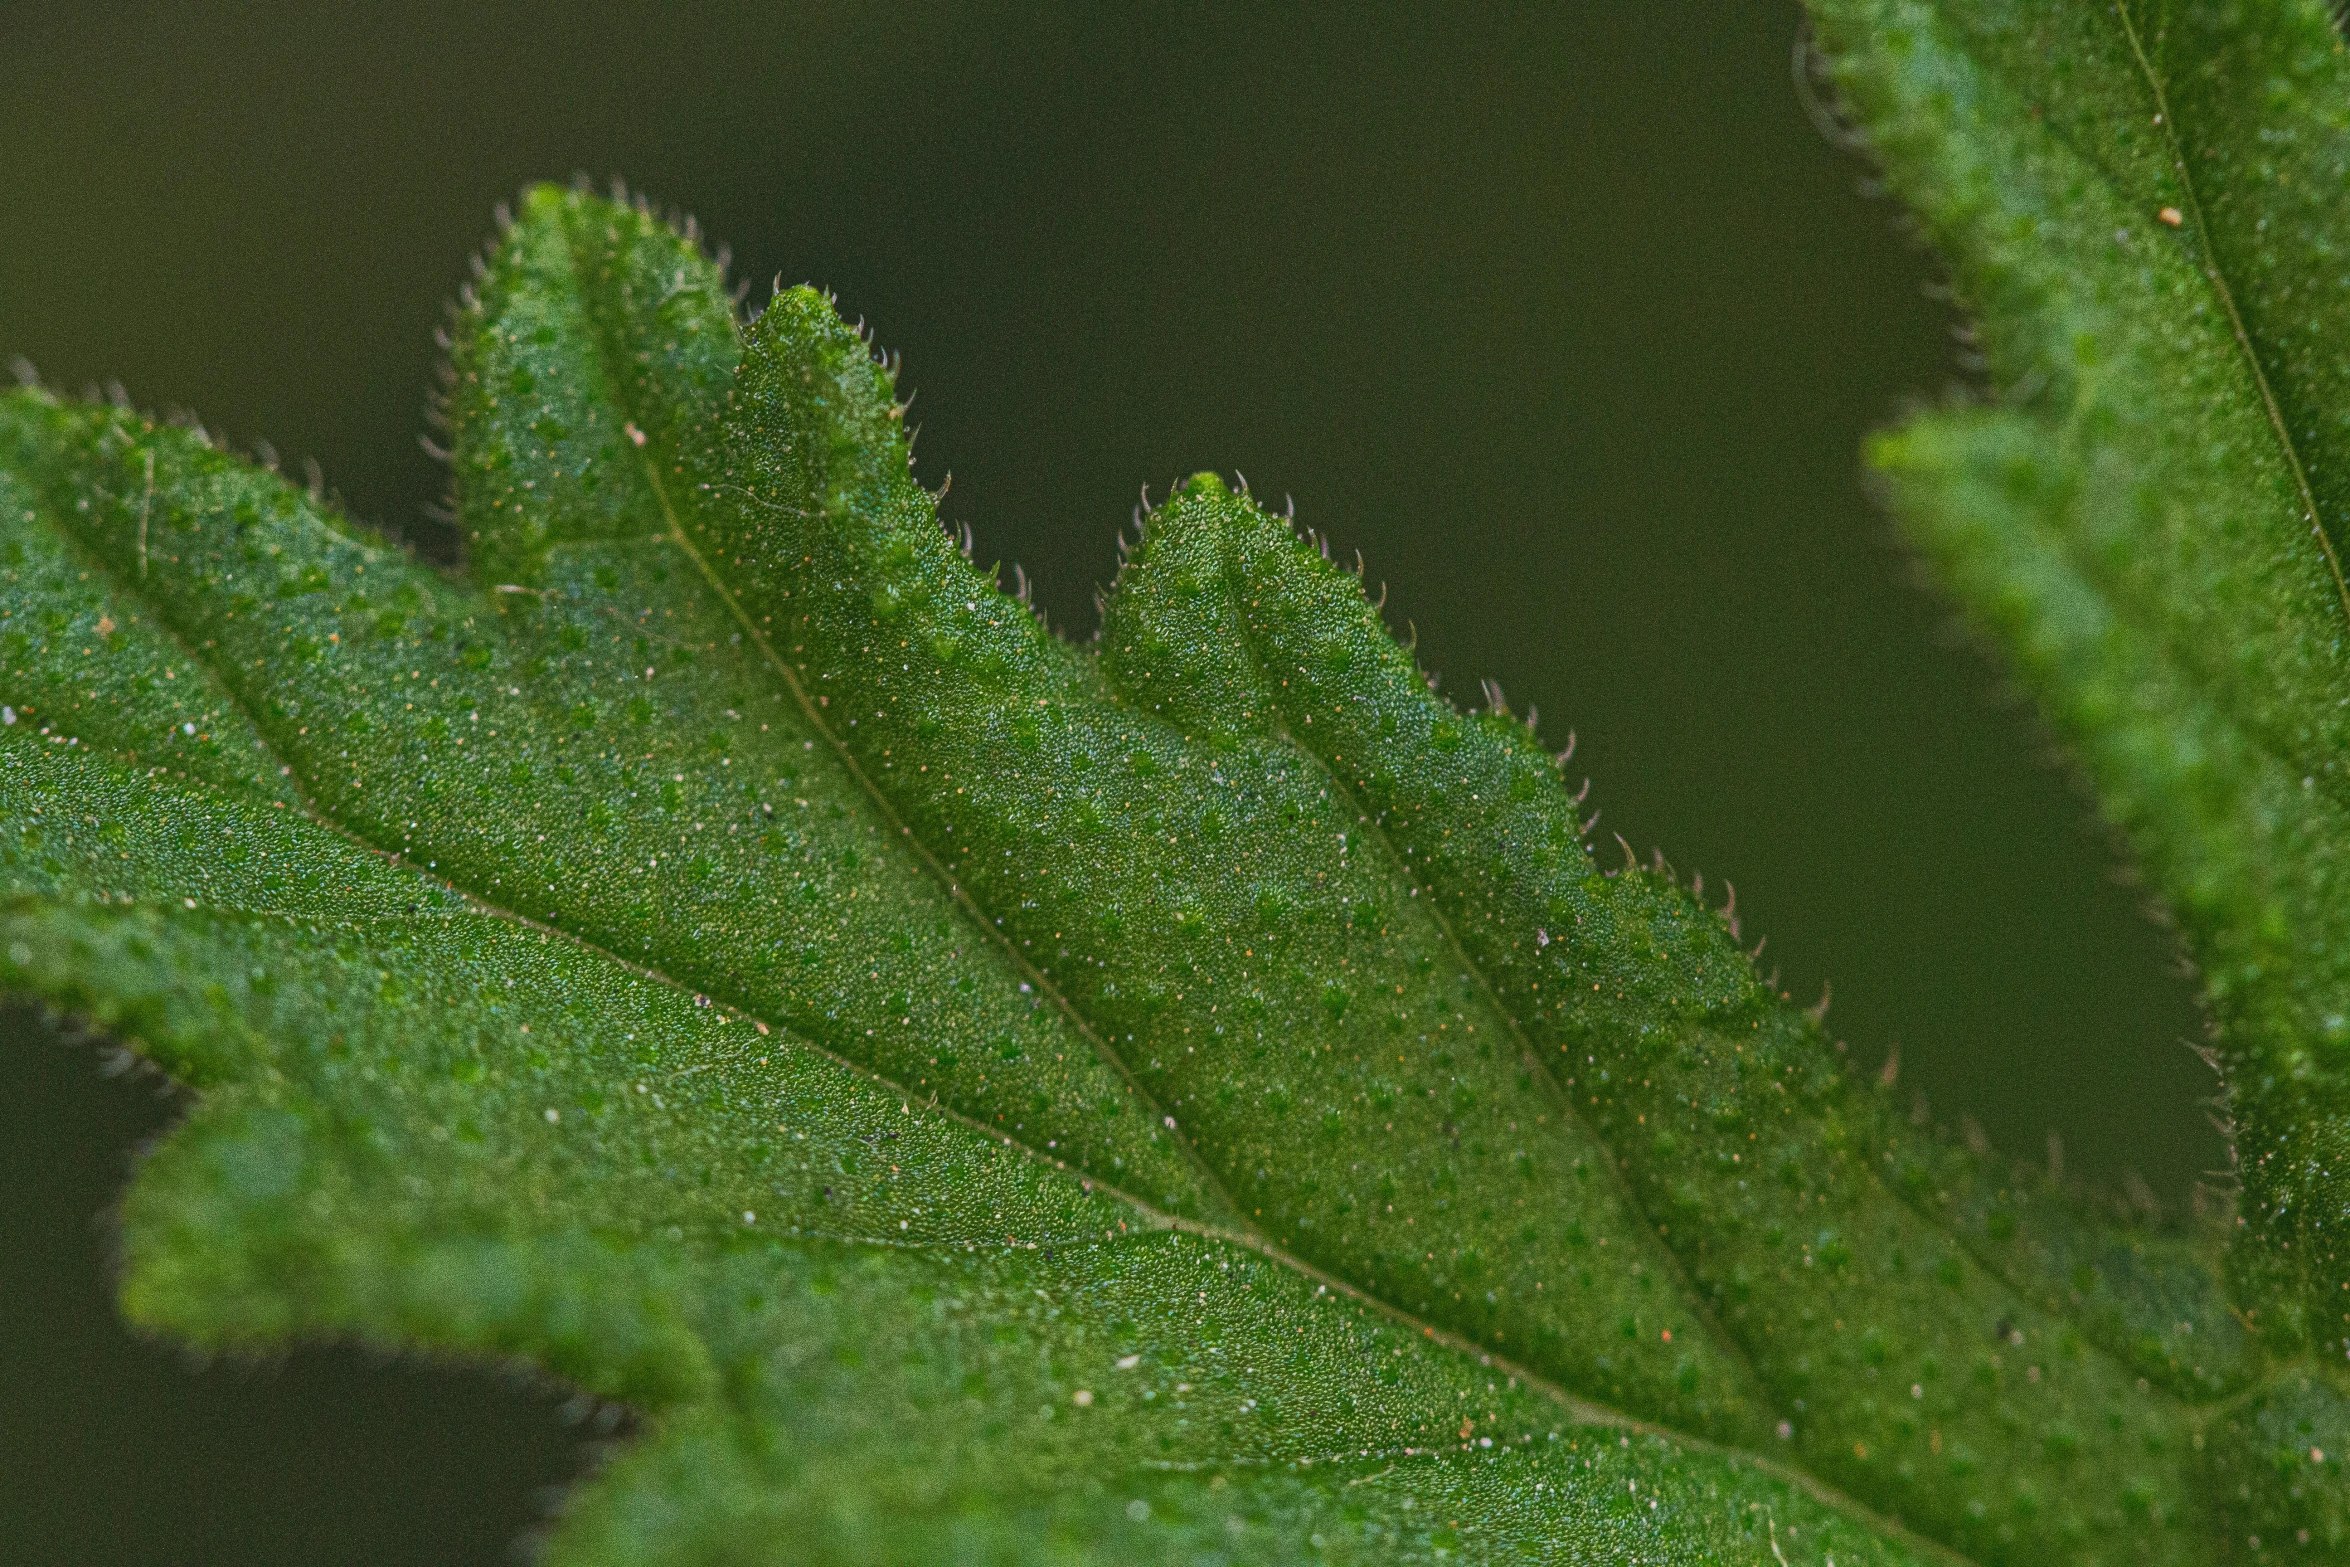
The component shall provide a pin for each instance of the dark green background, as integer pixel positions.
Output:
(1567, 318)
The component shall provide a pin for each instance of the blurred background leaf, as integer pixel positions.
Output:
(1567, 317)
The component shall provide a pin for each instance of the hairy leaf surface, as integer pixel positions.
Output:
(2144, 204)
(1192, 1097)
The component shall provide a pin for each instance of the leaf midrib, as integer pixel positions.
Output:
(305, 803)
(2214, 277)
(2209, 266)
(1581, 1410)
(2116, 589)
(1692, 1297)
(929, 861)
(1248, 1236)
(2207, 256)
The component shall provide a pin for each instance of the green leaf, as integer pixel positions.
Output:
(2144, 206)
(1194, 1097)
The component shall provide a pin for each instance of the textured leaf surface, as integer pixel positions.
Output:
(2145, 206)
(1193, 1097)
